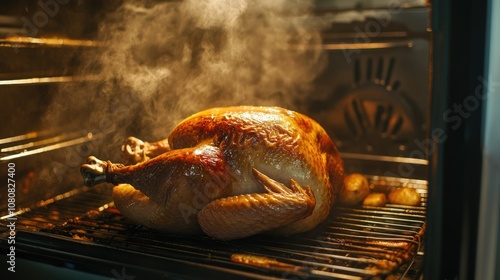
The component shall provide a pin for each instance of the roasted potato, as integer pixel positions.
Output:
(375, 199)
(355, 189)
(405, 196)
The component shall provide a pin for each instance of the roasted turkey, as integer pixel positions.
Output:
(228, 172)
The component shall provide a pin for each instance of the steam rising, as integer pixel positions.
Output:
(166, 61)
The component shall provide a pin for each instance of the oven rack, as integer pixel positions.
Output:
(81, 229)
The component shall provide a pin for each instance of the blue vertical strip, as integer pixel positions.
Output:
(488, 249)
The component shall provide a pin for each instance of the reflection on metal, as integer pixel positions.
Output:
(351, 35)
(76, 141)
(43, 142)
(29, 135)
(384, 158)
(367, 46)
(29, 42)
(356, 46)
(47, 80)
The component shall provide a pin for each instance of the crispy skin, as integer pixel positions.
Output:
(221, 147)
(142, 210)
(280, 143)
(248, 214)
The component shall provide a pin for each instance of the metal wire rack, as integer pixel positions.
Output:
(82, 228)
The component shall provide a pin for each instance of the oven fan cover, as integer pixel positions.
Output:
(374, 119)
(373, 114)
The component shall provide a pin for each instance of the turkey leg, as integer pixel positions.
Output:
(172, 176)
(175, 178)
(135, 150)
(155, 193)
(248, 214)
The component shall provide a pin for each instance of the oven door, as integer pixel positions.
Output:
(463, 97)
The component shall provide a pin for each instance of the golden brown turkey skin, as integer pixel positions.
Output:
(272, 165)
(280, 143)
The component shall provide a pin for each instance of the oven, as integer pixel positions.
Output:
(402, 87)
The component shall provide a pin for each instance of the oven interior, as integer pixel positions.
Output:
(371, 97)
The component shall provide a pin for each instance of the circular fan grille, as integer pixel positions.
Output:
(373, 113)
